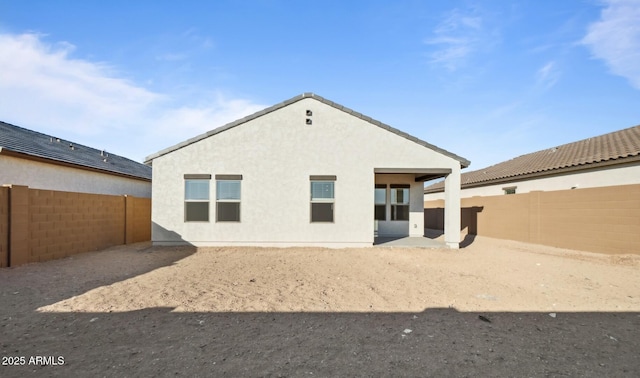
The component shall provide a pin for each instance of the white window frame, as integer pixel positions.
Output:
(320, 200)
(508, 190)
(197, 178)
(395, 204)
(376, 203)
(228, 178)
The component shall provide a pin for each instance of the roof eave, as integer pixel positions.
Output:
(546, 173)
(464, 163)
(8, 152)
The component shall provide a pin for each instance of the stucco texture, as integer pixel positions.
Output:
(37, 175)
(276, 154)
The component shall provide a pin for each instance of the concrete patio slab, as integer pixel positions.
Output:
(408, 241)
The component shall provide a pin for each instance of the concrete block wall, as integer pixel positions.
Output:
(503, 217)
(4, 227)
(65, 223)
(603, 220)
(138, 219)
(18, 225)
(45, 224)
(594, 219)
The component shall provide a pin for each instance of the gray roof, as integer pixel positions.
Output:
(21, 142)
(618, 147)
(463, 162)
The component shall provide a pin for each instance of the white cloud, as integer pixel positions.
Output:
(189, 121)
(44, 88)
(40, 80)
(455, 38)
(615, 38)
(548, 75)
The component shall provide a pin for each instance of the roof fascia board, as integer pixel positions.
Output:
(463, 162)
(223, 128)
(429, 177)
(549, 173)
(413, 170)
(558, 172)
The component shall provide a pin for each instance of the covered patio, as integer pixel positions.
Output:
(407, 229)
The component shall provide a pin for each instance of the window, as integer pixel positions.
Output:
(196, 198)
(228, 198)
(400, 202)
(381, 202)
(322, 198)
(510, 190)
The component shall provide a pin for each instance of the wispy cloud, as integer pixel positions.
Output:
(615, 38)
(456, 38)
(548, 75)
(172, 57)
(39, 79)
(196, 38)
(193, 120)
(44, 87)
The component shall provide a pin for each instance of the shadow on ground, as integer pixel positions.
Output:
(109, 266)
(436, 342)
(158, 342)
(439, 235)
(467, 241)
(407, 242)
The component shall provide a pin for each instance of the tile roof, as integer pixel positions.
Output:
(15, 140)
(463, 162)
(614, 147)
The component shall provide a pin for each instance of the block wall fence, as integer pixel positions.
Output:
(603, 220)
(40, 225)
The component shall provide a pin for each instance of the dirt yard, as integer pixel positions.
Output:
(494, 308)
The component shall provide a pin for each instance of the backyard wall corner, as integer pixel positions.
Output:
(40, 225)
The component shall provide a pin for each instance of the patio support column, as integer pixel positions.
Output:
(452, 208)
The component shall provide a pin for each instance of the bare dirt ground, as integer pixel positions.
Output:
(494, 308)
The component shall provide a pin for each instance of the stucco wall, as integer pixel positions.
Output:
(276, 153)
(38, 175)
(607, 176)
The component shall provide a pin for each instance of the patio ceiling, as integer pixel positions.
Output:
(421, 174)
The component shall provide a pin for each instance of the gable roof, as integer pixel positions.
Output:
(617, 147)
(463, 162)
(20, 142)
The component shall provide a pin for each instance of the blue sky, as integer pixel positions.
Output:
(487, 80)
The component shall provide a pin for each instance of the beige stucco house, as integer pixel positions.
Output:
(582, 195)
(610, 159)
(305, 172)
(42, 161)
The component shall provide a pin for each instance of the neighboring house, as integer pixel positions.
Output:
(42, 161)
(306, 171)
(606, 160)
(583, 195)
